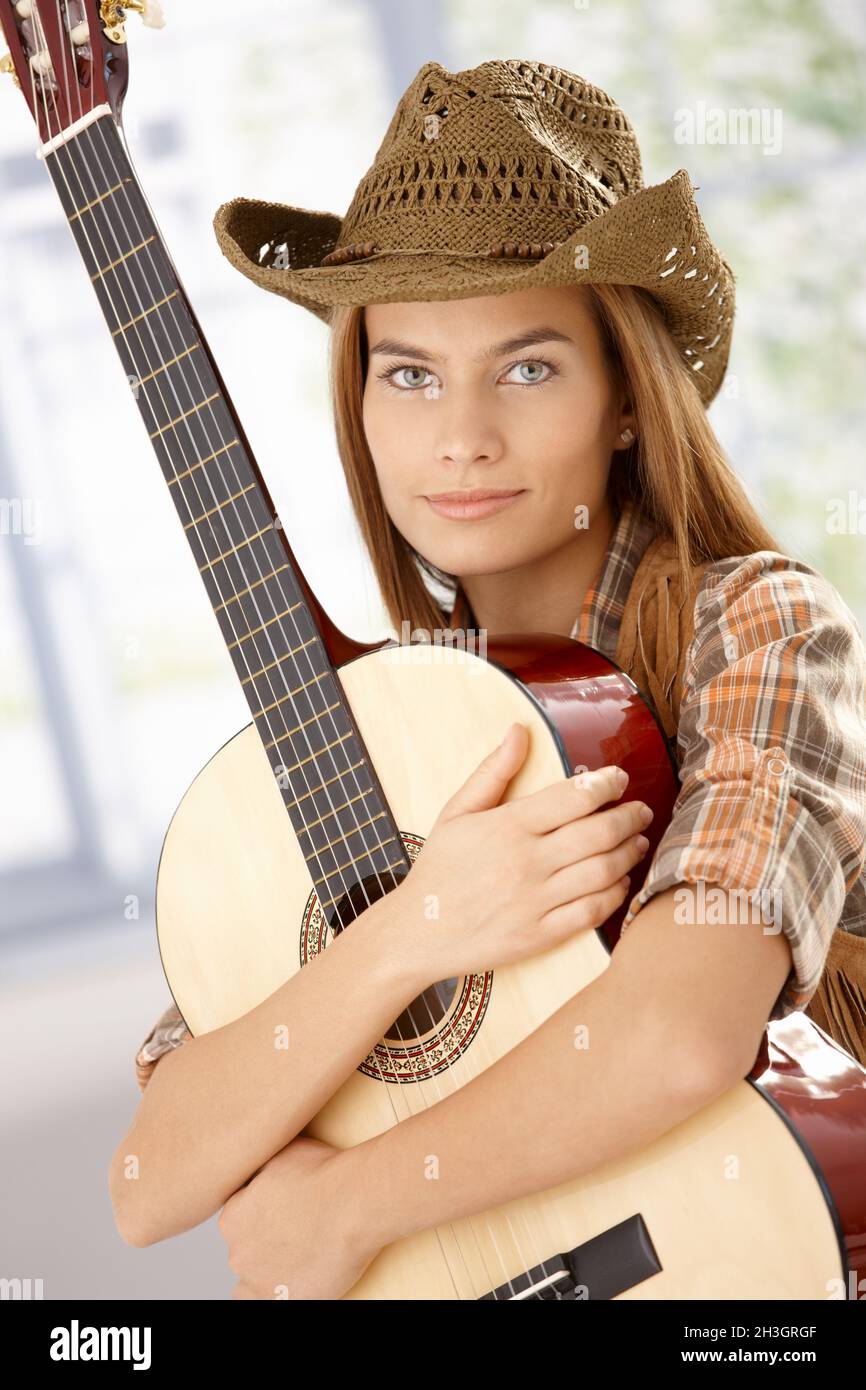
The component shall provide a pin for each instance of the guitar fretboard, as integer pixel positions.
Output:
(329, 787)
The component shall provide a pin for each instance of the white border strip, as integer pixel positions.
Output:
(72, 130)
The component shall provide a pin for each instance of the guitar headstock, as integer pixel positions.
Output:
(69, 56)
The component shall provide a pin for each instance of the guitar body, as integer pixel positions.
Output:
(236, 917)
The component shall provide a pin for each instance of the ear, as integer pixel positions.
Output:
(626, 425)
(622, 415)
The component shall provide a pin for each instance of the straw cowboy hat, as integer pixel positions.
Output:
(503, 177)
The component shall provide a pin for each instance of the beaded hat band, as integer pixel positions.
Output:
(365, 250)
(502, 177)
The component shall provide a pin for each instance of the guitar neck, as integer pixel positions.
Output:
(258, 595)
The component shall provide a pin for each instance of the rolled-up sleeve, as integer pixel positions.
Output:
(168, 1032)
(772, 748)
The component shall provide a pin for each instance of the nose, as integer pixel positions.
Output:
(466, 431)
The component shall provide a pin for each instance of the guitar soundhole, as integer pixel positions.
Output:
(429, 1008)
(424, 1013)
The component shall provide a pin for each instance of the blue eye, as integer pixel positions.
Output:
(536, 362)
(390, 373)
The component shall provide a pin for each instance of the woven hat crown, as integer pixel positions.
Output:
(511, 151)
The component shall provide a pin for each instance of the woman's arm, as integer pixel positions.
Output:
(217, 1108)
(674, 1021)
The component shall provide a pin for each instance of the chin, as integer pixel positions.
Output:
(470, 561)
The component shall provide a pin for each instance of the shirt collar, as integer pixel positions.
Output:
(601, 613)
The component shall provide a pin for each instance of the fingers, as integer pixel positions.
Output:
(595, 834)
(595, 875)
(581, 914)
(485, 787)
(570, 799)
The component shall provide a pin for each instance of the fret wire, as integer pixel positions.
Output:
(192, 410)
(320, 820)
(142, 381)
(248, 540)
(218, 533)
(290, 805)
(254, 675)
(304, 722)
(353, 863)
(257, 653)
(275, 742)
(341, 739)
(328, 902)
(320, 675)
(200, 462)
(219, 506)
(234, 598)
(256, 630)
(289, 693)
(125, 257)
(144, 313)
(329, 844)
(93, 202)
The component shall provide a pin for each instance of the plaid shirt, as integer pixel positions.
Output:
(771, 749)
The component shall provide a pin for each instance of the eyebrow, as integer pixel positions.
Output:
(392, 347)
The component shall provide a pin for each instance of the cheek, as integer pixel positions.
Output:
(565, 423)
(399, 448)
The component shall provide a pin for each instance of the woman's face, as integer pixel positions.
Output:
(504, 392)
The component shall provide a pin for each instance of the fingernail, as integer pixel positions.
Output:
(642, 843)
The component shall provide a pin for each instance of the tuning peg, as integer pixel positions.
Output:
(151, 12)
(152, 16)
(6, 65)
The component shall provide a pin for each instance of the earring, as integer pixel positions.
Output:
(627, 436)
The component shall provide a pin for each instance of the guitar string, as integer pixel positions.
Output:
(270, 728)
(109, 296)
(276, 741)
(342, 836)
(423, 997)
(102, 134)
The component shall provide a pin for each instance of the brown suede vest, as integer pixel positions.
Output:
(656, 630)
(658, 624)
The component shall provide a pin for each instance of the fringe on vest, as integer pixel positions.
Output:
(656, 630)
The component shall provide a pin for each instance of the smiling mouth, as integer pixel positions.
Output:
(470, 505)
(478, 494)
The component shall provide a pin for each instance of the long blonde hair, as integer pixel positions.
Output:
(675, 470)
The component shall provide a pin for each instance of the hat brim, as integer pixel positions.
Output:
(655, 238)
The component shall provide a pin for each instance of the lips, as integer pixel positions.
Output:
(469, 506)
(475, 495)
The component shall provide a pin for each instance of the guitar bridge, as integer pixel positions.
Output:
(600, 1268)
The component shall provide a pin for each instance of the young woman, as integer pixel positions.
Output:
(559, 398)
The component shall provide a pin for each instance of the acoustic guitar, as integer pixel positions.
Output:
(320, 804)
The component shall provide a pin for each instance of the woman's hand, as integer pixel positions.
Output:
(294, 1231)
(495, 883)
